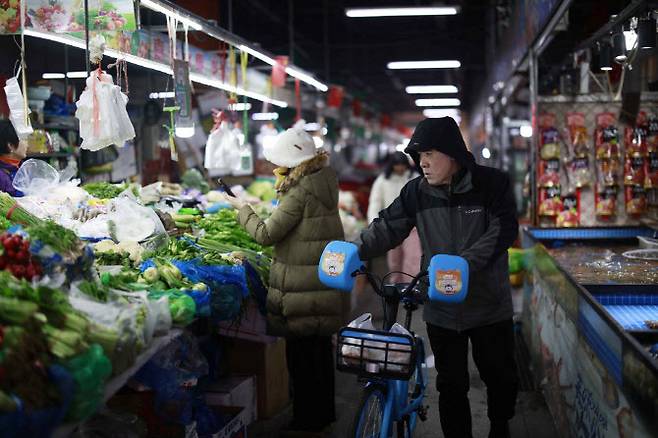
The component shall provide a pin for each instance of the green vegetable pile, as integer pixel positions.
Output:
(223, 227)
(104, 190)
(54, 235)
(192, 179)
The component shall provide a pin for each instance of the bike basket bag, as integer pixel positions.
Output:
(371, 353)
(338, 262)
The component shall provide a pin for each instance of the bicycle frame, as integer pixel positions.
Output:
(396, 407)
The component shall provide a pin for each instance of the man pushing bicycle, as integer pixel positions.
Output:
(464, 209)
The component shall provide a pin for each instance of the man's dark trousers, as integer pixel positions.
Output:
(493, 354)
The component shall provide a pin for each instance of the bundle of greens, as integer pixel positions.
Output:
(104, 190)
(223, 227)
(10, 209)
(54, 235)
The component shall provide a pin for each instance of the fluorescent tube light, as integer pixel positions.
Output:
(312, 126)
(240, 106)
(438, 102)
(171, 13)
(157, 66)
(400, 12)
(162, 95)
(76, 74)
(435, 113)
(429, 89)
(264, 116)
(256, 54)
(306, 78)
(409, 65)
(53, 76)
(184, 131)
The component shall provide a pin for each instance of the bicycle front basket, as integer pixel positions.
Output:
(371, 353)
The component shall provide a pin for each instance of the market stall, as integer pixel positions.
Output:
(590, 283)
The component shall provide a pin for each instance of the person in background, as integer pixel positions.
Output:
(385, 189)
(299, 306)
(12, 152)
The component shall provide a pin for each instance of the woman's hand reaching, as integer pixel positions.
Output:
(235, 202)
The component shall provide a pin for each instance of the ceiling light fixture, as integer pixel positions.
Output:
(53, 76)
(162, 95)
(429, 89)
(256, 54)
(412, 65)
(157, 66)
(605, 56)
(646, 32)
(157, 7)
(400, 12)
(240, 106)
(438, 102)
(76, 75)
(306, 78)
(435, 113)
(263, 117)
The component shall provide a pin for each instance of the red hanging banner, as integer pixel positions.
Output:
(298, 99)
(356, 107)
(279, 71)
(335, 97)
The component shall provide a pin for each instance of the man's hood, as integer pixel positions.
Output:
(441, 134)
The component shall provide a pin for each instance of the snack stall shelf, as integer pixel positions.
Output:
(588, 319)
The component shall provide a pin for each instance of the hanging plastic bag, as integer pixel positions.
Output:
(102, 113)
(17, 109)
(222, 149)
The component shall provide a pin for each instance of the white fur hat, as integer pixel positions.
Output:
(291, 147)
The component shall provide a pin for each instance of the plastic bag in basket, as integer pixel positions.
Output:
(352, 347)
(399, 360)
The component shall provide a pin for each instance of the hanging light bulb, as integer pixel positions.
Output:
(646, 32)
(619, 46)
(605, 56)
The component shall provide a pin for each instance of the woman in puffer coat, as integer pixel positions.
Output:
(299, 306)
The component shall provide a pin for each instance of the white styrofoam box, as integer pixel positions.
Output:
(235, 391)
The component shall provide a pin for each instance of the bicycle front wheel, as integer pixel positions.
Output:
(369, 419)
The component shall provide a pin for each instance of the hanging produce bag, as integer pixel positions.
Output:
(102, 113)
(222, 149)
(18, 111)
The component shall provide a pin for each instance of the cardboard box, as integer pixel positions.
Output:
(237, 426)
(268, 363)
(234, 390)
(252, 326)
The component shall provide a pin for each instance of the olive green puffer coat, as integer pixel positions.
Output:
(305, 220)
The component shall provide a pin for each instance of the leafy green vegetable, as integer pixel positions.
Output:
(54, 235)
(103, 190)
(192, 179)
(223, 227)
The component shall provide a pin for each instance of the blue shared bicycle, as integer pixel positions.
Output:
(391, 363)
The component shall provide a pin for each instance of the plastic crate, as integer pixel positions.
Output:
(379, 354)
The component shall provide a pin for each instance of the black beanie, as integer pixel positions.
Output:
(441, 134)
